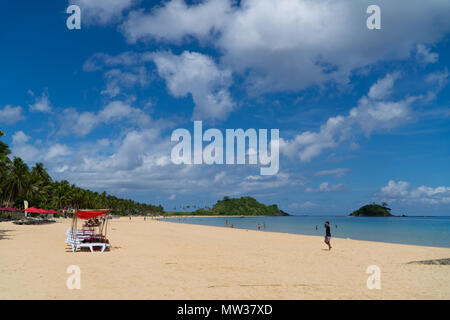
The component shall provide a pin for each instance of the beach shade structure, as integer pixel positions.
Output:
(34, 210)
(9, 209)
(88, 214)
(45, 211)
(88, 236)
(82, 214)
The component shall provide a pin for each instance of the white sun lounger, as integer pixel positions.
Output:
(75, 240)
(92, 245)
(77, 243)
(69, 231)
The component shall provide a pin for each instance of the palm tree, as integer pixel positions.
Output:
(40, 173)
(61, 194)
(4, 152)
(17, 182)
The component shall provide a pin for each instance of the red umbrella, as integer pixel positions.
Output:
(52, 211)
(34, 210)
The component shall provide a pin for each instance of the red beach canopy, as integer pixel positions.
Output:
(34, 210)
(41, 211)
(90, 214)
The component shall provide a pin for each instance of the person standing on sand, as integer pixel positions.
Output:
(328, 234)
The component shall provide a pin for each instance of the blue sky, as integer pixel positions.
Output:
(364, 115)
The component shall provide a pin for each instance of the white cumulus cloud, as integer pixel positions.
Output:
(289, 45)
(402, 191)
(371, 114)
(113, 112)
(102, 11)
(198, 75)
(41, 104)
(326, 187)
(11, 115)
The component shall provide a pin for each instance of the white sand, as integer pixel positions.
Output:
(165, 260)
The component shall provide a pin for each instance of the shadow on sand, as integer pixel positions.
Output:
(4, 234)
(442, 262)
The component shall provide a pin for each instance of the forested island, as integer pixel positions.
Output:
(373, 210)
(244, 206)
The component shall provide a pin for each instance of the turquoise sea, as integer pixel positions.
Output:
(427, 231)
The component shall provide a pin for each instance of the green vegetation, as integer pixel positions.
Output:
(245, 206)
(373, 210)
(19, 183)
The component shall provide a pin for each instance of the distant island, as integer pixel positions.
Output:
(373, 210)
(244, 206)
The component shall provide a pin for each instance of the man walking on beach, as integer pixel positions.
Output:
(328, 235)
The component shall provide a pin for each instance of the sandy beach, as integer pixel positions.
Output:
(165, 260)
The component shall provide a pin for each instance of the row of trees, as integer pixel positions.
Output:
(18, 183)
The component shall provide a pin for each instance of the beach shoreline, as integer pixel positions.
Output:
(153, 259)
(434, 233)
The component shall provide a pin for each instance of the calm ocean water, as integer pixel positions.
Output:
(427, 231)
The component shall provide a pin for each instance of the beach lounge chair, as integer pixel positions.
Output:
(75, 240)
(77, 243)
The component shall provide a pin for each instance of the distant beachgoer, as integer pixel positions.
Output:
(232, 225)
(264, 225)
(317, 227)
(226, 223)
(259, 226)
(130, 217)
(335, 226)
(328, 234)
